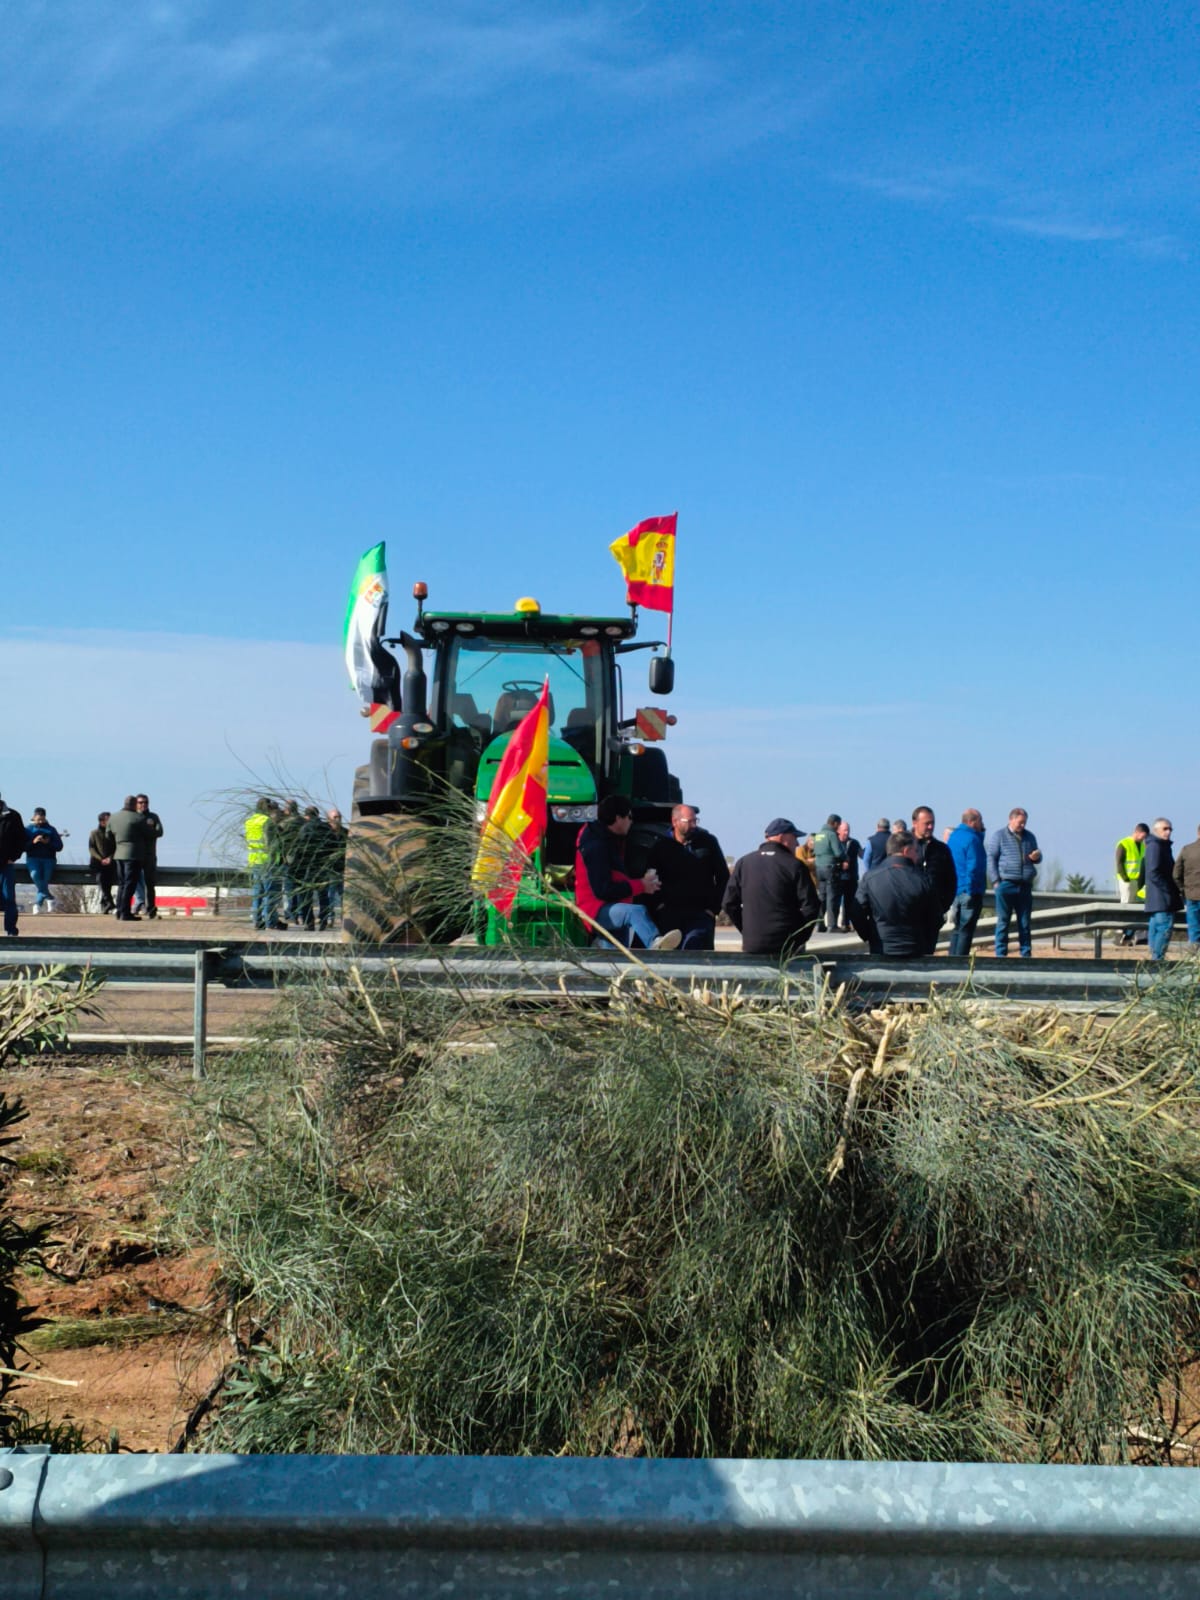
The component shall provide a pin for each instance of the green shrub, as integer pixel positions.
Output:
(685, 1225)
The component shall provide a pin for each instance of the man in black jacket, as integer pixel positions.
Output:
(145, 896)
(770, 896)
(934, 858)
(12, 845)
(897, 910)
(1163, 899)
(692, 867)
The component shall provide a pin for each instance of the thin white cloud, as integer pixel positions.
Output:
(1071, 229)
(411, 85)
(1009, 210)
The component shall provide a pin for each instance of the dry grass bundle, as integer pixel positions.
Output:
(695, 1224)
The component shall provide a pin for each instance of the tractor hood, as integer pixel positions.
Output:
(570, 781)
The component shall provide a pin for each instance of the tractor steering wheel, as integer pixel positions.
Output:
(521, 685)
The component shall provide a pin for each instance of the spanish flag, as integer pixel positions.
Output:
(646, 555)
(515, 824)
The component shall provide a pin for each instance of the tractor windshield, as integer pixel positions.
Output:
(490, 684)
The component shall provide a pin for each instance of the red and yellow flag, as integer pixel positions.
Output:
(646, 555)
(515, 824)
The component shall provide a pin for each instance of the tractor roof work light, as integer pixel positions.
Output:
(527, 606)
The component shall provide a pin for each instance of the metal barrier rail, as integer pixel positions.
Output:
(197, 1527)
(75, 874)
(217, 881)
(1095, 984)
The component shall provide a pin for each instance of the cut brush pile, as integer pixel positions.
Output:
(692, 1225)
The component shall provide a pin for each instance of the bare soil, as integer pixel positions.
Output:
(101, 1139)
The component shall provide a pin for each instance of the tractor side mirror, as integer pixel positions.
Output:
(662, 674)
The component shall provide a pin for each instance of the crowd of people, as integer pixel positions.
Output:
(122, 855)
(896, 892)
(296, 857)
(297, 860)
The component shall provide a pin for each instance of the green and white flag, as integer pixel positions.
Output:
(366, 614)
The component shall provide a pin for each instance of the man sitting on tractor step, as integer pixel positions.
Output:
(604, 891)
(692, 867)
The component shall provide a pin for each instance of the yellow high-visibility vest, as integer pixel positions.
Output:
(1135, 849)
(255, 829)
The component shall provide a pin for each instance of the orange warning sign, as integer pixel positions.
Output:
(652, 722)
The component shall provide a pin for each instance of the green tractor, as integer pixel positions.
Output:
(468, 680)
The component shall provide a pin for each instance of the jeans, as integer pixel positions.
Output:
(619, 916)
(329, 904)
(696, 931)
(966, 919)
(147, 884)
(128, 873)
(41, 870)
(1012, 897)
(1192, 912)
(8, 897)
(264, 894)
(1161, 923)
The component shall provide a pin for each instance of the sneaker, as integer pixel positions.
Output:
(670, 940)
(37, 909)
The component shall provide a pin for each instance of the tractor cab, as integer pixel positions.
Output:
(470, 678)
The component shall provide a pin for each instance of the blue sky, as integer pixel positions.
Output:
(898, 309)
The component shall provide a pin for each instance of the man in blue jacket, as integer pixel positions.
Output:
(1013, 857)
(970, 866)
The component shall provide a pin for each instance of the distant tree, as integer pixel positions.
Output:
(1078, 884)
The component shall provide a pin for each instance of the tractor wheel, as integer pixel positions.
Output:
(382, 884)
(390, 862)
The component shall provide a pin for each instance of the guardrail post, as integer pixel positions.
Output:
(205, 960)
(1097, 943)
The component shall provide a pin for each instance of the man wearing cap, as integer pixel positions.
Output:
(770, 897)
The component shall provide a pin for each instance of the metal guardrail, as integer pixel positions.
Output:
(73, 873)
(197, 1527)
(538, 976)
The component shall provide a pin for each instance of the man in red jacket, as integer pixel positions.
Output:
(603, 889)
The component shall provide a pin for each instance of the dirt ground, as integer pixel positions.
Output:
(102, 1137)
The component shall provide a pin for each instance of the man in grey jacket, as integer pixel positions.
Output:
(128, 829)
(1013, 857)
